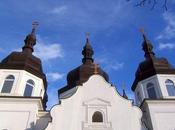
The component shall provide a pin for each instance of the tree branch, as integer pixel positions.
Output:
(153, 3)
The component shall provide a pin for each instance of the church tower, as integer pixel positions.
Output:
(155, 90)
(23, 87)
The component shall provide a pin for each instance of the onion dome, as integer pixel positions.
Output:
(25, 60)
(152, 65)
(82, 73)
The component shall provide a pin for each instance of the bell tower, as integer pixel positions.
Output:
(154, 88)
(21, 73)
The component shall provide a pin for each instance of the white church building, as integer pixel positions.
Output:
(88, 101)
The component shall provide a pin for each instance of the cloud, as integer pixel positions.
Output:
(54, 76)
(59, 10)
(169, 31)
(48, 51)
(81, 14)
(114, 66)
(166, 46)
(109, 64)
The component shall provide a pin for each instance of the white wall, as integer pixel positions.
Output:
(162, 113)
(75, 112)
(19, 113)
(21, 77)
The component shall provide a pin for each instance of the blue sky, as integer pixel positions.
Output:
(114, 28)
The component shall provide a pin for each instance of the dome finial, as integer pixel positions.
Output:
(147, 46)
(34, 25)
(30, 39)
(87, 51)
(87, 37)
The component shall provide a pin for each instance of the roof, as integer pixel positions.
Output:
(25, 60)
(152, 65)
(82, 73)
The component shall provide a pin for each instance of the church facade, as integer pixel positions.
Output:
(88, 101)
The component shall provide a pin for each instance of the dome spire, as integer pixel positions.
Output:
(87, 51)
(147, 46)
(30, 39)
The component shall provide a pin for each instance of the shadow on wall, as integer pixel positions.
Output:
(32, 126)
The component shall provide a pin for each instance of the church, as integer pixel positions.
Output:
(88, 101)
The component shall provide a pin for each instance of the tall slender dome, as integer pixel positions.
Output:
(82, 73)
(25, 70)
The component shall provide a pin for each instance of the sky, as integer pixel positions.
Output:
(114, 35)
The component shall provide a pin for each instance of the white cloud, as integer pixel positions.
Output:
(109, 64)
(59, 10)
(81, 14)
(53, 76)
(47, 51)
(114, 66)
(166, 46)
(169, 31)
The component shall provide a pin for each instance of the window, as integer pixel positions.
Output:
(29, 88)
(170, 87)
(8, 83)
(97, 117)
(151, 91)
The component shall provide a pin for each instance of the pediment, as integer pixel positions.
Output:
(96, 101)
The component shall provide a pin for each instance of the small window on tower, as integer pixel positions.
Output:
(29, 88)
(151, 91)
(97, 117)
(170, 87)
(8, 84)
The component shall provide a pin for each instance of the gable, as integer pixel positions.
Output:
(96, 101)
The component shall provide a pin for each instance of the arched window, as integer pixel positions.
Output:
(97, 117)
(8, 83)
(170, 87)
(151, 91)
(29, 88)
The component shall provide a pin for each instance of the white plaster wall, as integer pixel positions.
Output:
(75, 112)
(162, 113)
(21, 77)
(19, 114)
